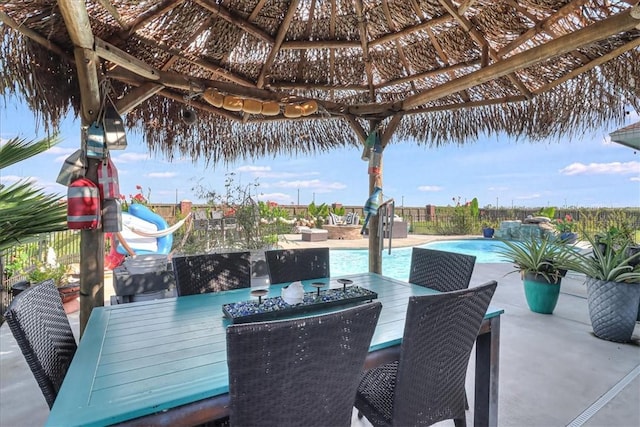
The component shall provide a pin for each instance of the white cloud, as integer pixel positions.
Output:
(498, 188)
(635, 178)
(613, 168)
(430, 188)
(130, 157)
(161, 175)
(61, 151)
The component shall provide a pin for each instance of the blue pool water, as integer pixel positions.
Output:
(396, 264)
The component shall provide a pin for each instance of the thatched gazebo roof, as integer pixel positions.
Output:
(431, 71)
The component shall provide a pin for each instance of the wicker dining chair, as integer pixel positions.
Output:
(426, 384)
(289, 265)
(41, 328)
(200, 274)
(441, 270)
(299, 372)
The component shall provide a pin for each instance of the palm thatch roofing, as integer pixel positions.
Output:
(427, 71)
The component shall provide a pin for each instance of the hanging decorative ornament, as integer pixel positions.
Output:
(252, 106)
(213, 97)
(270, 108)
(232, 103)
(309, 107)
(292, 111)
(188, 115)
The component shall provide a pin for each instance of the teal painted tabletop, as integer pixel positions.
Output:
(141, 358)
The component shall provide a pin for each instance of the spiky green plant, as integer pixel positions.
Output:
(608, 261)
(25, 209)
(547, 257)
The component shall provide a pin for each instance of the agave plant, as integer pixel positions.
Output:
(547, 257)
(25, 209)
(607, 262)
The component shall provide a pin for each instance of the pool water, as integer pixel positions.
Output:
(396, 264)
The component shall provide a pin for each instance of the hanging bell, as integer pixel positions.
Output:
(188, 115)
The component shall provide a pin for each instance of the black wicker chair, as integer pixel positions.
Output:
(299, 372)
(426, 385)
(200, 274)
(289, 265)
(40, 326)
(441, 270)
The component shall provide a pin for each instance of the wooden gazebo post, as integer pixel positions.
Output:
(92, 241)
(375, 249)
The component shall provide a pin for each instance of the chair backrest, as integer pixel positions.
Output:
(441, 270)
(439, 333)
(201, 274)
(299, 372)
(289, 265)
(41, 328)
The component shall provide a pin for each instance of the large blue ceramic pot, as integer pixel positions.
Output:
(613, 308)
(541, 295)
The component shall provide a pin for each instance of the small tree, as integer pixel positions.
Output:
(26, 211)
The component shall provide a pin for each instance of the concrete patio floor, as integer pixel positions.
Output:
(553, 370)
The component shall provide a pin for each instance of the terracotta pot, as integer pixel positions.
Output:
(69, 292)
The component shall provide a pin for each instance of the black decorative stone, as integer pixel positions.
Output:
(275, 307)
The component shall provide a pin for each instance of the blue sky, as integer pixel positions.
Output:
(587, 172)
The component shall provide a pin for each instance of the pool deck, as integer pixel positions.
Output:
(553, 371)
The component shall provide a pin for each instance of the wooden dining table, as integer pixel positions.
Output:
(164, 362)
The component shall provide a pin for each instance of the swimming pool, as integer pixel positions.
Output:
(396, 264)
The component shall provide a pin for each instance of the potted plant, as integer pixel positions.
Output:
(566, 227)
(541, 263)
(613, 287)
(68, 288)
(488, 230)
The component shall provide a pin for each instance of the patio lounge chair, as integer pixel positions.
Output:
(426, 385)
(40, 326)
(441, 270)
(199, 274)
(289, 265)
(299, 372)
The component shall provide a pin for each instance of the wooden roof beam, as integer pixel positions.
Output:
(256, 10)
(410, 30)
(545, 25)
(48, 44)
(357, 128)
(621, 22)
(362, 28)
(282, 32)
(624, 21)
(87, 62)
(470, 28)
(178, 81)
(137, 96)
(403, 58)
(150, 14)
(121, 58)
(114, 12)
(213, 68)
(426, 74)
(443, 56)
(592, 64)
(219, 10)
(306, 35)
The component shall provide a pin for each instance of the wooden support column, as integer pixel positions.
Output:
(375, 247)
(375, 250)
(91, 241)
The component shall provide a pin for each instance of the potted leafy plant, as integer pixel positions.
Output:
(488, 229)
(566, 227)
(613, 287)
(541, 263)
(60, 274)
